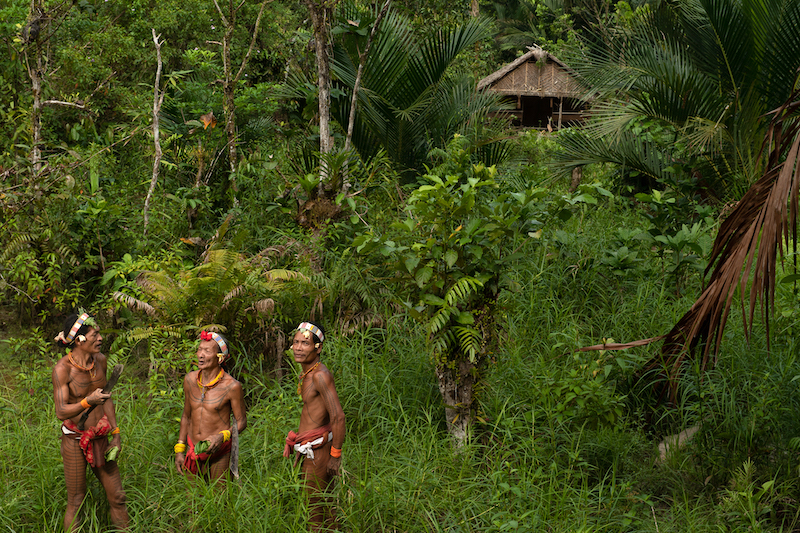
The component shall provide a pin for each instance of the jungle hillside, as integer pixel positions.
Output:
(561, 305)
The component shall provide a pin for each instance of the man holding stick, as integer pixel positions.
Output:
(321, 433)
(210, 396)
(78, 381)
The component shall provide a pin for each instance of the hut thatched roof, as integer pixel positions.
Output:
(535, 73)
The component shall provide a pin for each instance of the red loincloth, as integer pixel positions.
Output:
(192, 461)
(91, 440)
(293, 438)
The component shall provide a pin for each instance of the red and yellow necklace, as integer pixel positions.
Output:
(303, 376)
(89, 369)
(210, 384)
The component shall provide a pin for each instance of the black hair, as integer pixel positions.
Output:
(316, 339)
(68, 323)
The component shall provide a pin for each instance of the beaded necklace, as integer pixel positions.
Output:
(303, 376)
(208, 385)
(89, 369)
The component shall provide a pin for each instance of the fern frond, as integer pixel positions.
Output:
(469, 342)
(15, 245)
(463, 288)
(281, 274)
(440, 319)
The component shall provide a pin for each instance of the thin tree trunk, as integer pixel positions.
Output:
(230, 82)
(36, 113)
(320, 18)
(158, 99)
(457, 390)
(35, 74)
(362, 60)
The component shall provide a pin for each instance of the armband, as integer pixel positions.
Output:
(226, 435)
(180, 447)
(336, 452)
(85, 403)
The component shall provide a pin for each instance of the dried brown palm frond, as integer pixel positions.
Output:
(749, 241)
(134, 303)
(265, 307)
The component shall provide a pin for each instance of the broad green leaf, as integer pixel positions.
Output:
(451, 256)
(423, 276)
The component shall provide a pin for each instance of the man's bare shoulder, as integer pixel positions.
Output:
(322, 377)
(62, 367)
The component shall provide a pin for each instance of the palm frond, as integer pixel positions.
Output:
(134, 304)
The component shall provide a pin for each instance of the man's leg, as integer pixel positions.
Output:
(109, 477)
(218, 468)
(317, 481)
(75, 478)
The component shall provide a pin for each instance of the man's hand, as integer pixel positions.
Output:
(116, 441)
(179, 459)
(98, 397)
(214, 443)
(334, 464)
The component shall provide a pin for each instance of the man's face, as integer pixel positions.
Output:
(93, 341)
(303, 347)
(207, 354)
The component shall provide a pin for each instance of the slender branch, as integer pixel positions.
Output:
(362, 60)
(158, 99)
(252, 41)
(64, 104)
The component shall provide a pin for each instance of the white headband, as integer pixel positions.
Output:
(308, 326)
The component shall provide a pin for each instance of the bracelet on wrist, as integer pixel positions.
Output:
(336, 452)
(226, 435)
(115, 431)
(180, 447)
(85, 403)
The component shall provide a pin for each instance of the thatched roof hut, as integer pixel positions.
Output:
(542, 86)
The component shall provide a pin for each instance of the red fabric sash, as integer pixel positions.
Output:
(293, 438)
(193, 460)
(91, 440)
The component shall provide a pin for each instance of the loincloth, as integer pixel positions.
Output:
(305, 443)
(93, 441)
(193, 460)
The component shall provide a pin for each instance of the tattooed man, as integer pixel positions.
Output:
(78, 381)
(210, 396)
(320, 436)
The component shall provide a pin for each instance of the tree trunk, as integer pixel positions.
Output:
(320, 18)
(35, 73)
(158, 99)
(456, 388)
(230, 81)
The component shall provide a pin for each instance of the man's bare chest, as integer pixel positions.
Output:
(82, 383)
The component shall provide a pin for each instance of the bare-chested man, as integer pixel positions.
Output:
(322, 426)
(78, 381)
(210, 396)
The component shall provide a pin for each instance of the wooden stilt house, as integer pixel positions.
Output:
(542, 89)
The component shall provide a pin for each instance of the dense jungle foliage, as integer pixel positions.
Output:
(164, 165)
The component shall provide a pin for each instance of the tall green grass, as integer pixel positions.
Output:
(563, 442)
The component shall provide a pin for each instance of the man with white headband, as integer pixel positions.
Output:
(318, 440)
(78, 381)
(210, 396)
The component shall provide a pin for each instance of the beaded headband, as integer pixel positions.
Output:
(216, 337)
(308, 326)
(84, 318)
